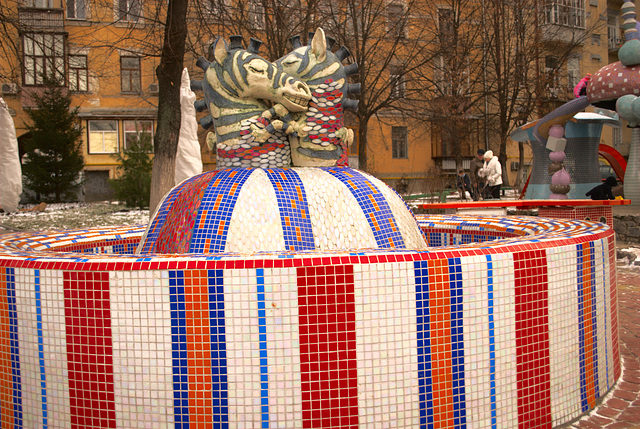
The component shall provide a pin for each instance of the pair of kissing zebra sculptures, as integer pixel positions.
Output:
(281, 114)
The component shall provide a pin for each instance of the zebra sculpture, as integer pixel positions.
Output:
(322, 139)
(236, 84)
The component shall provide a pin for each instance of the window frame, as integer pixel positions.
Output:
(126, 10)
(566, 13)
(136, 132)
(396, 19)
(75, 73)
(102, 132)
(72, 5)
(399, 149)
(256, 15)
(130, 72)
(47, 56)
(397, 83)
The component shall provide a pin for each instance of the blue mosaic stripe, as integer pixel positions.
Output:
(43, 378)
(457, 343)
(581, 334)
(425, 382)
(220, 386)
(492, 344)
(223, 191)
(14, 348)
(159, 219)
(294, 209)
(381, 221)
(262, 334)
(179, 350)
(594, 319)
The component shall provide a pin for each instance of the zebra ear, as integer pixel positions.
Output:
(319, 45)
(220, 51)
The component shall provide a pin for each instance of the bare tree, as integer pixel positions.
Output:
(527, 45)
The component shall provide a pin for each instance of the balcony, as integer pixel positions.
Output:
(614, 38)
(562, 34)
(41, 15)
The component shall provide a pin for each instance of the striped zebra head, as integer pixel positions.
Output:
(316, 63)
(239, 80)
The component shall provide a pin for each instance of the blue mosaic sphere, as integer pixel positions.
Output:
(248, 210)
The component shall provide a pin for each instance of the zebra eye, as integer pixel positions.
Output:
(256, 70)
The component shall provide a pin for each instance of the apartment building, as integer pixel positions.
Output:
(105, 52)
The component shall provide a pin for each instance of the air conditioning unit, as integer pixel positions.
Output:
(153, 88)
(9, 88)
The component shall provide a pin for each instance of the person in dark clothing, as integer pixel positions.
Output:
(463, 183)
(477, 182)
(604, 191)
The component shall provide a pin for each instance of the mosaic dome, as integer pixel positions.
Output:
(295, 209)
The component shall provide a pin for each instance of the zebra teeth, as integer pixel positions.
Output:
(299, 101)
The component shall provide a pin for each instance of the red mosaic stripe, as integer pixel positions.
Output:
(328, 347)
(532, 340)
(89, 349)
(613, 303)
(6, 375)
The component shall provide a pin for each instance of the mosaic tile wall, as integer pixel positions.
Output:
(516, 331)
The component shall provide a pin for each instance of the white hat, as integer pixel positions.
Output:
(488, 154)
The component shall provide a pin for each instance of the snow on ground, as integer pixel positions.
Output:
(72, 216)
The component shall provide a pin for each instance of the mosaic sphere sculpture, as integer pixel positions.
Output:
(297, 209)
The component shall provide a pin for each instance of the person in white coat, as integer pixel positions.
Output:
(492, 173)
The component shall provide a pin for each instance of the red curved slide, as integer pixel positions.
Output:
(613, 157)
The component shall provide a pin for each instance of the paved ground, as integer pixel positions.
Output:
(621, 407)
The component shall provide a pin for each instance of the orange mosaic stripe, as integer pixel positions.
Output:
(196, 302)
(203, 218)
(440, 326)
(299, 192)
(373, 202)
(216, 205)
(6, 377)
(588, 302)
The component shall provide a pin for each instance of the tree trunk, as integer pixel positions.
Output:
(362, 145)
(169, 72)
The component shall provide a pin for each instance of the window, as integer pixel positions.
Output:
(78, 73)
(215, 7)
(256, 15)
(133, 130)
(573, 71)
(446, 27)
(43, 56)
(551, 69)
(397, 82)
(40, 4)
(103, 136)
(129, 10)
(399, 142)
(395, 19)
(130, 74)
(568, 13)
(76, 9)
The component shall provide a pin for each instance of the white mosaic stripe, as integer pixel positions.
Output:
(338, 222)
(564, 334)
(607, 295)
(386, 345)
(411, 234)
(55, 348)
(243, 347)
(257, 209)
(141, 329)
(30, 369)
(602, 313)
(283, 348)
(505, 322)
(477, 340)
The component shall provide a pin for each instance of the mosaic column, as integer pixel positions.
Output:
(632, 174)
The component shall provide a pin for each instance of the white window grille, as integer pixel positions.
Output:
(568, 13)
